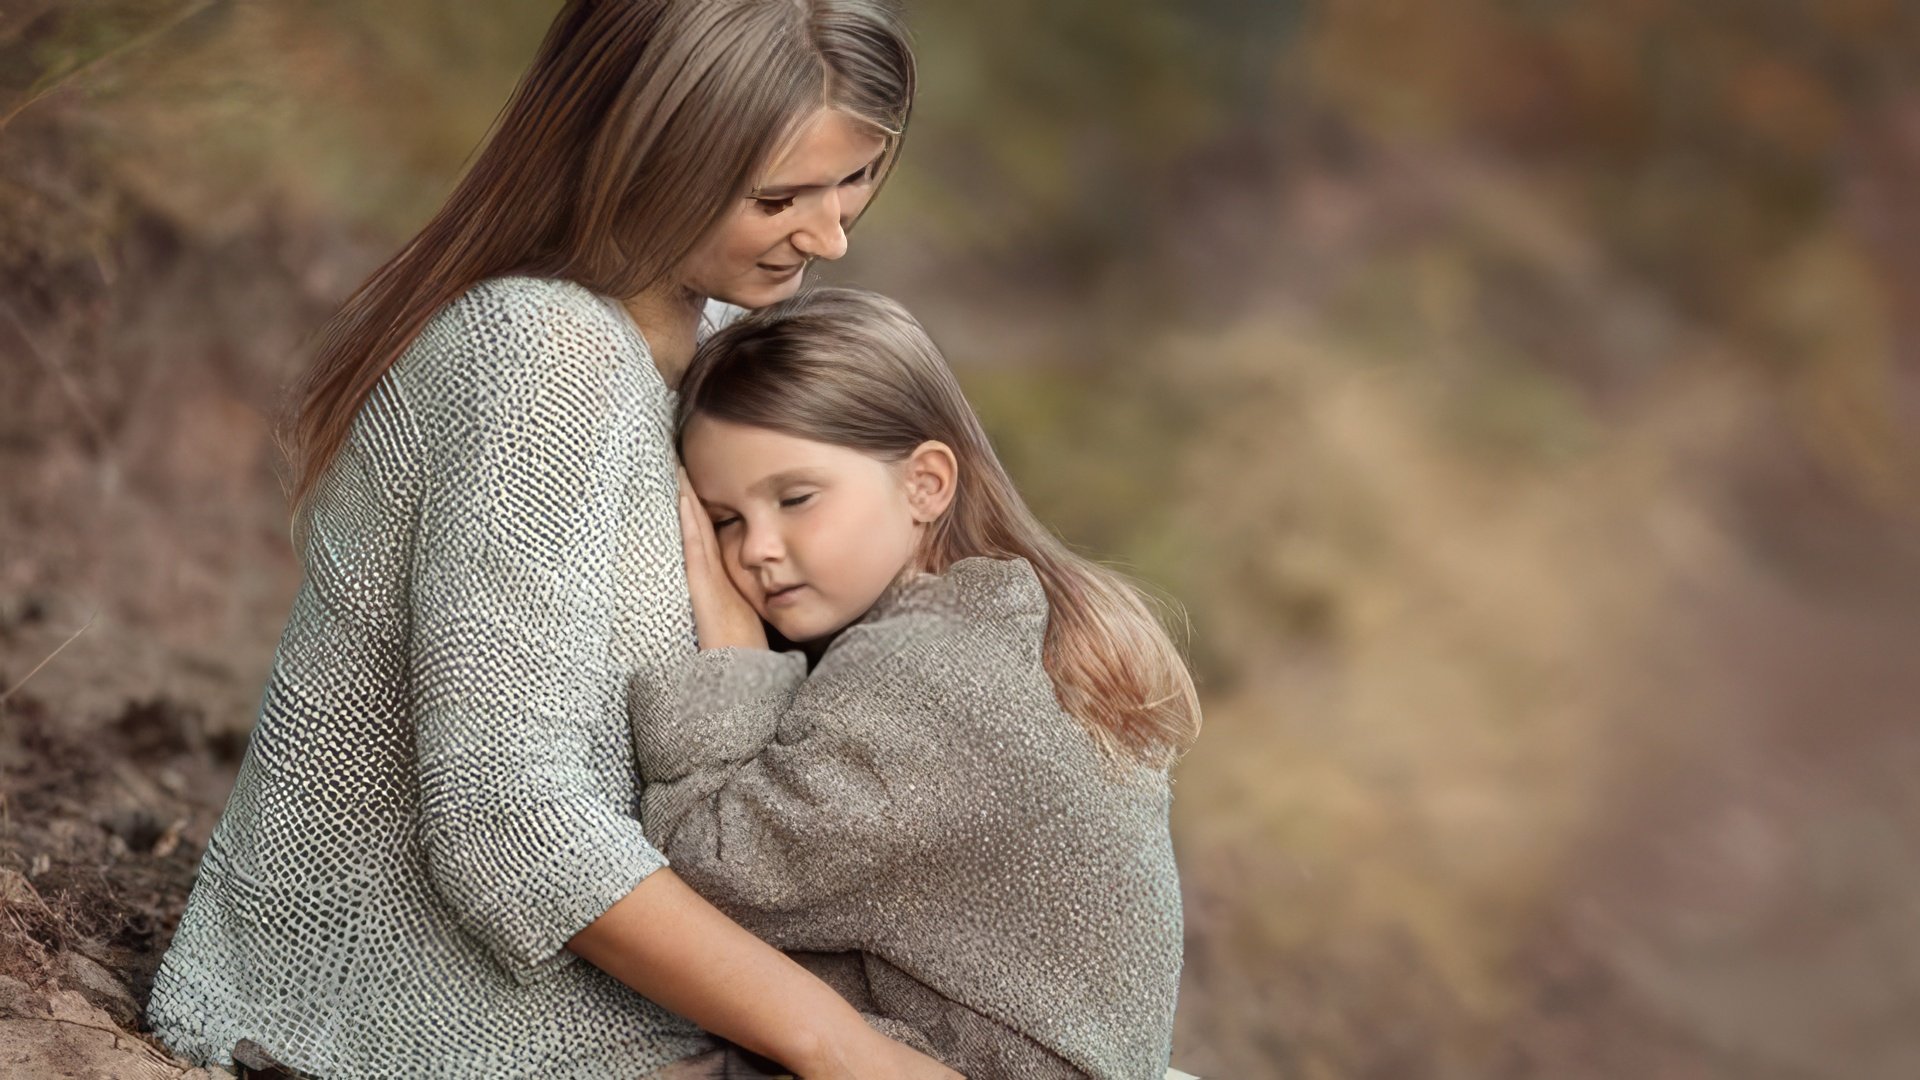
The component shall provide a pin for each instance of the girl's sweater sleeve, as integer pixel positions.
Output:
(510, 604)
(774, 793)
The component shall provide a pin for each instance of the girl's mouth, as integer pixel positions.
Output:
(781, 595)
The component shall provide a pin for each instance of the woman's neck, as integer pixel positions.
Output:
(669, 318)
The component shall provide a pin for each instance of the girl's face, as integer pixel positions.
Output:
(798, 211)
(812, 533)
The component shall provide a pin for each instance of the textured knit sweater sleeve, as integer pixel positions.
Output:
(511, 611)
(768, 808)
(922, 799)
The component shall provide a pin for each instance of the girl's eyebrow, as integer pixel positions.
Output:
(782, 479)
(767, 486)
(782, 191)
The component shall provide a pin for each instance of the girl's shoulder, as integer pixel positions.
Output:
(994, 609)
(972, 589)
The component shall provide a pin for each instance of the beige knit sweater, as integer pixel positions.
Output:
(924, 825)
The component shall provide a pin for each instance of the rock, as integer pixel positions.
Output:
(19, 999)
(100, 987)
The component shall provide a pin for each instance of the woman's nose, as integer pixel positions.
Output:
(825, 235)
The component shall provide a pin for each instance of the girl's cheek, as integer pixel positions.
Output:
(730, 558)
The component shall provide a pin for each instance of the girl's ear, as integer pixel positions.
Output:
(931, 473)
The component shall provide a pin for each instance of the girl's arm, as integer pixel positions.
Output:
(775, 793)
(803, 798)
(763, 809)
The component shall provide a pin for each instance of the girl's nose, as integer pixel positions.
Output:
(825, 235)
(760, 545)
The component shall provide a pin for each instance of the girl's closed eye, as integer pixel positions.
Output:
(796, 500)
(722, 522)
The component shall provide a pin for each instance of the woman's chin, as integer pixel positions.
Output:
(759, 294)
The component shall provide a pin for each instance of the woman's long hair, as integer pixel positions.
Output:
(629, 137)
(854, 369)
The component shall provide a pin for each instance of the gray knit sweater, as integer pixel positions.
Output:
(921, 811)
(440, 788)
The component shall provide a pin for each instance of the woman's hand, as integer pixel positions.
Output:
(721, 616)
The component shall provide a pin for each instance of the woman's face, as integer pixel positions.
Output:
(798, 211)
(811, 533)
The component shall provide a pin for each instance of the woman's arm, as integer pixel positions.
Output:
(525, 825)
(664, 941)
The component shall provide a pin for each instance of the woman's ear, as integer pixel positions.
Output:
(931, 473)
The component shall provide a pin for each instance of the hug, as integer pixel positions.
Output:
(530, 794)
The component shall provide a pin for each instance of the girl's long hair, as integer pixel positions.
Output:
(629, 137)
(854, 369)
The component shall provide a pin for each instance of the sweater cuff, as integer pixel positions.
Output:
(614, 860)
(525, 878)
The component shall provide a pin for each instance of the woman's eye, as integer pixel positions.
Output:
(861, 177)
(797, 499)
(771, 207)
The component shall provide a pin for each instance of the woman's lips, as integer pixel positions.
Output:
(782, 272)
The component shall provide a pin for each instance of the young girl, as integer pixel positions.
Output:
(958, 818)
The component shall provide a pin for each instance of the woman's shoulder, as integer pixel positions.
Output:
(518, 331)
(516, 319)
(523, 294)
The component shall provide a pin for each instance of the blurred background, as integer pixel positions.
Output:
(1518, 397)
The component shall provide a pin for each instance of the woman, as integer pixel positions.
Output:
(430, 864)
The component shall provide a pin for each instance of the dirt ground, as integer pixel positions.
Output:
(103, 831)
(144, 569)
